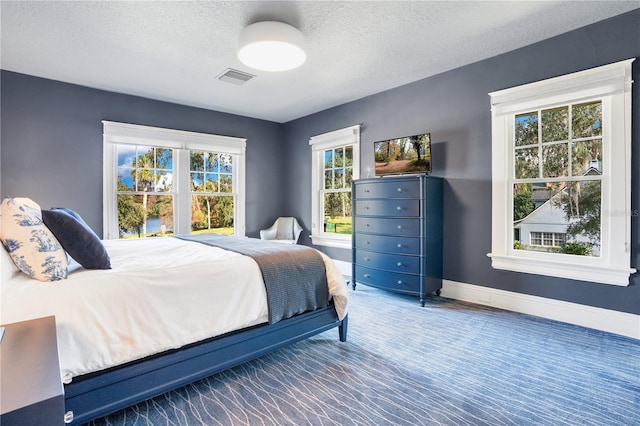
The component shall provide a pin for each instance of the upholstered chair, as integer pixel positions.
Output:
(284, 230)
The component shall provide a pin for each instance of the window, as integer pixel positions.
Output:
(335, 163)
(562, 176)
(160, 182)
(547, 239)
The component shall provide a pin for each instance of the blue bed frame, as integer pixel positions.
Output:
(96, 395)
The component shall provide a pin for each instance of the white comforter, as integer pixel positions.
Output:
(161, 293)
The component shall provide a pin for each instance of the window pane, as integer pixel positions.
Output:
(559, 217)
(586, 157)
(226, 183)
(339, 178)
(586, 120)
(197, 161)
(142, 216)
(197, 182)
(211, 182)
(328, 159)
(348, 177)
(555, 160)
(526, 163)
(212, 214)
(337, 212)
(145, 180)
(328, 179)
(523, 201)
(555, 124)
(164, 181)
(338, 157)
(164, 158)
(536, 238)
(145, 157)
(126, 179)
(126, 155)
(226, 163)
(526, 128)
(211, 162)
(348, 156)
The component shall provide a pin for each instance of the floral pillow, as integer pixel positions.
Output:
(32, 247)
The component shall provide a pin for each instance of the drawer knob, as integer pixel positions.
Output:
(399, 282)
(367, 225)
(399, 189)
(367, 276)
(399, 245)
(398, 208)
(366, 259)
(399, 263)
(399, 226)
(366, 190)
(366, 207)
(368, 242)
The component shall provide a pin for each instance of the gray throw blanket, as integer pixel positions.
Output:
(294, 276)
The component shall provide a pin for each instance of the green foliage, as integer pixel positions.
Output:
(337, 204)
(577, 248)
(131, 215)
(584, 204)
(211, 212)
(523, 205)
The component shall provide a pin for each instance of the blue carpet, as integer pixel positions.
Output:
(449, 363)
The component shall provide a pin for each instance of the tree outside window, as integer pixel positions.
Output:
(557, 162)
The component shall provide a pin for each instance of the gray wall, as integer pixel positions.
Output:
(51, 140)
(51, 144)
(454, 108)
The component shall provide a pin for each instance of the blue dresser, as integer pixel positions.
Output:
(397, 234)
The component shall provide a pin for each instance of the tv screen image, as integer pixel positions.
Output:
(411, 154)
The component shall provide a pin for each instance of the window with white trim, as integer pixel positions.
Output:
(159, 182)
(561, 176)
(335, 163)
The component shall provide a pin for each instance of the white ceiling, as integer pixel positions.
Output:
(173, 50)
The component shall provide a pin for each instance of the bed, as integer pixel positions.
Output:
(157, 320)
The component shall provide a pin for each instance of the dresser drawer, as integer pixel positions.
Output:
(394, 208)
(396, 226)
(389, 188)
(388, 262)
(388, 280)
(388, 243)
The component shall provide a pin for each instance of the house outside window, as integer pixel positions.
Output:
(561, 176)
(335, 163)
(159, 182)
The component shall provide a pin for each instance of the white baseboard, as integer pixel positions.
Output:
(587, 316)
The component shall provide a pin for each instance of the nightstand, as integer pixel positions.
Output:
(31, 389)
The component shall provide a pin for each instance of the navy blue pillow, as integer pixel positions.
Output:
(77, 238)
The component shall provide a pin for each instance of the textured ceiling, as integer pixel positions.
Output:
(173, 51)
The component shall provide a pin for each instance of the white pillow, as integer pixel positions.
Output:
(32, 247)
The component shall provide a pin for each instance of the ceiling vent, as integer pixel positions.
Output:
(234, 76)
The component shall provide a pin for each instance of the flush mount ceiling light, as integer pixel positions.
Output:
(271, 46)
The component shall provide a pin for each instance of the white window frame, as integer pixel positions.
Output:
(181, 142)
(612, 84)
(319, 144)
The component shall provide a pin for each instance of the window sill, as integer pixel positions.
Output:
(570, 270)
(321, 240)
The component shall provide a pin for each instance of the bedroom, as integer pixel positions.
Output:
(52, 150)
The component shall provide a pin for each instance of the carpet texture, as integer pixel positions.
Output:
(449, 363)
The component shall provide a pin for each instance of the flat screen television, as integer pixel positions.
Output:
(407, 155)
